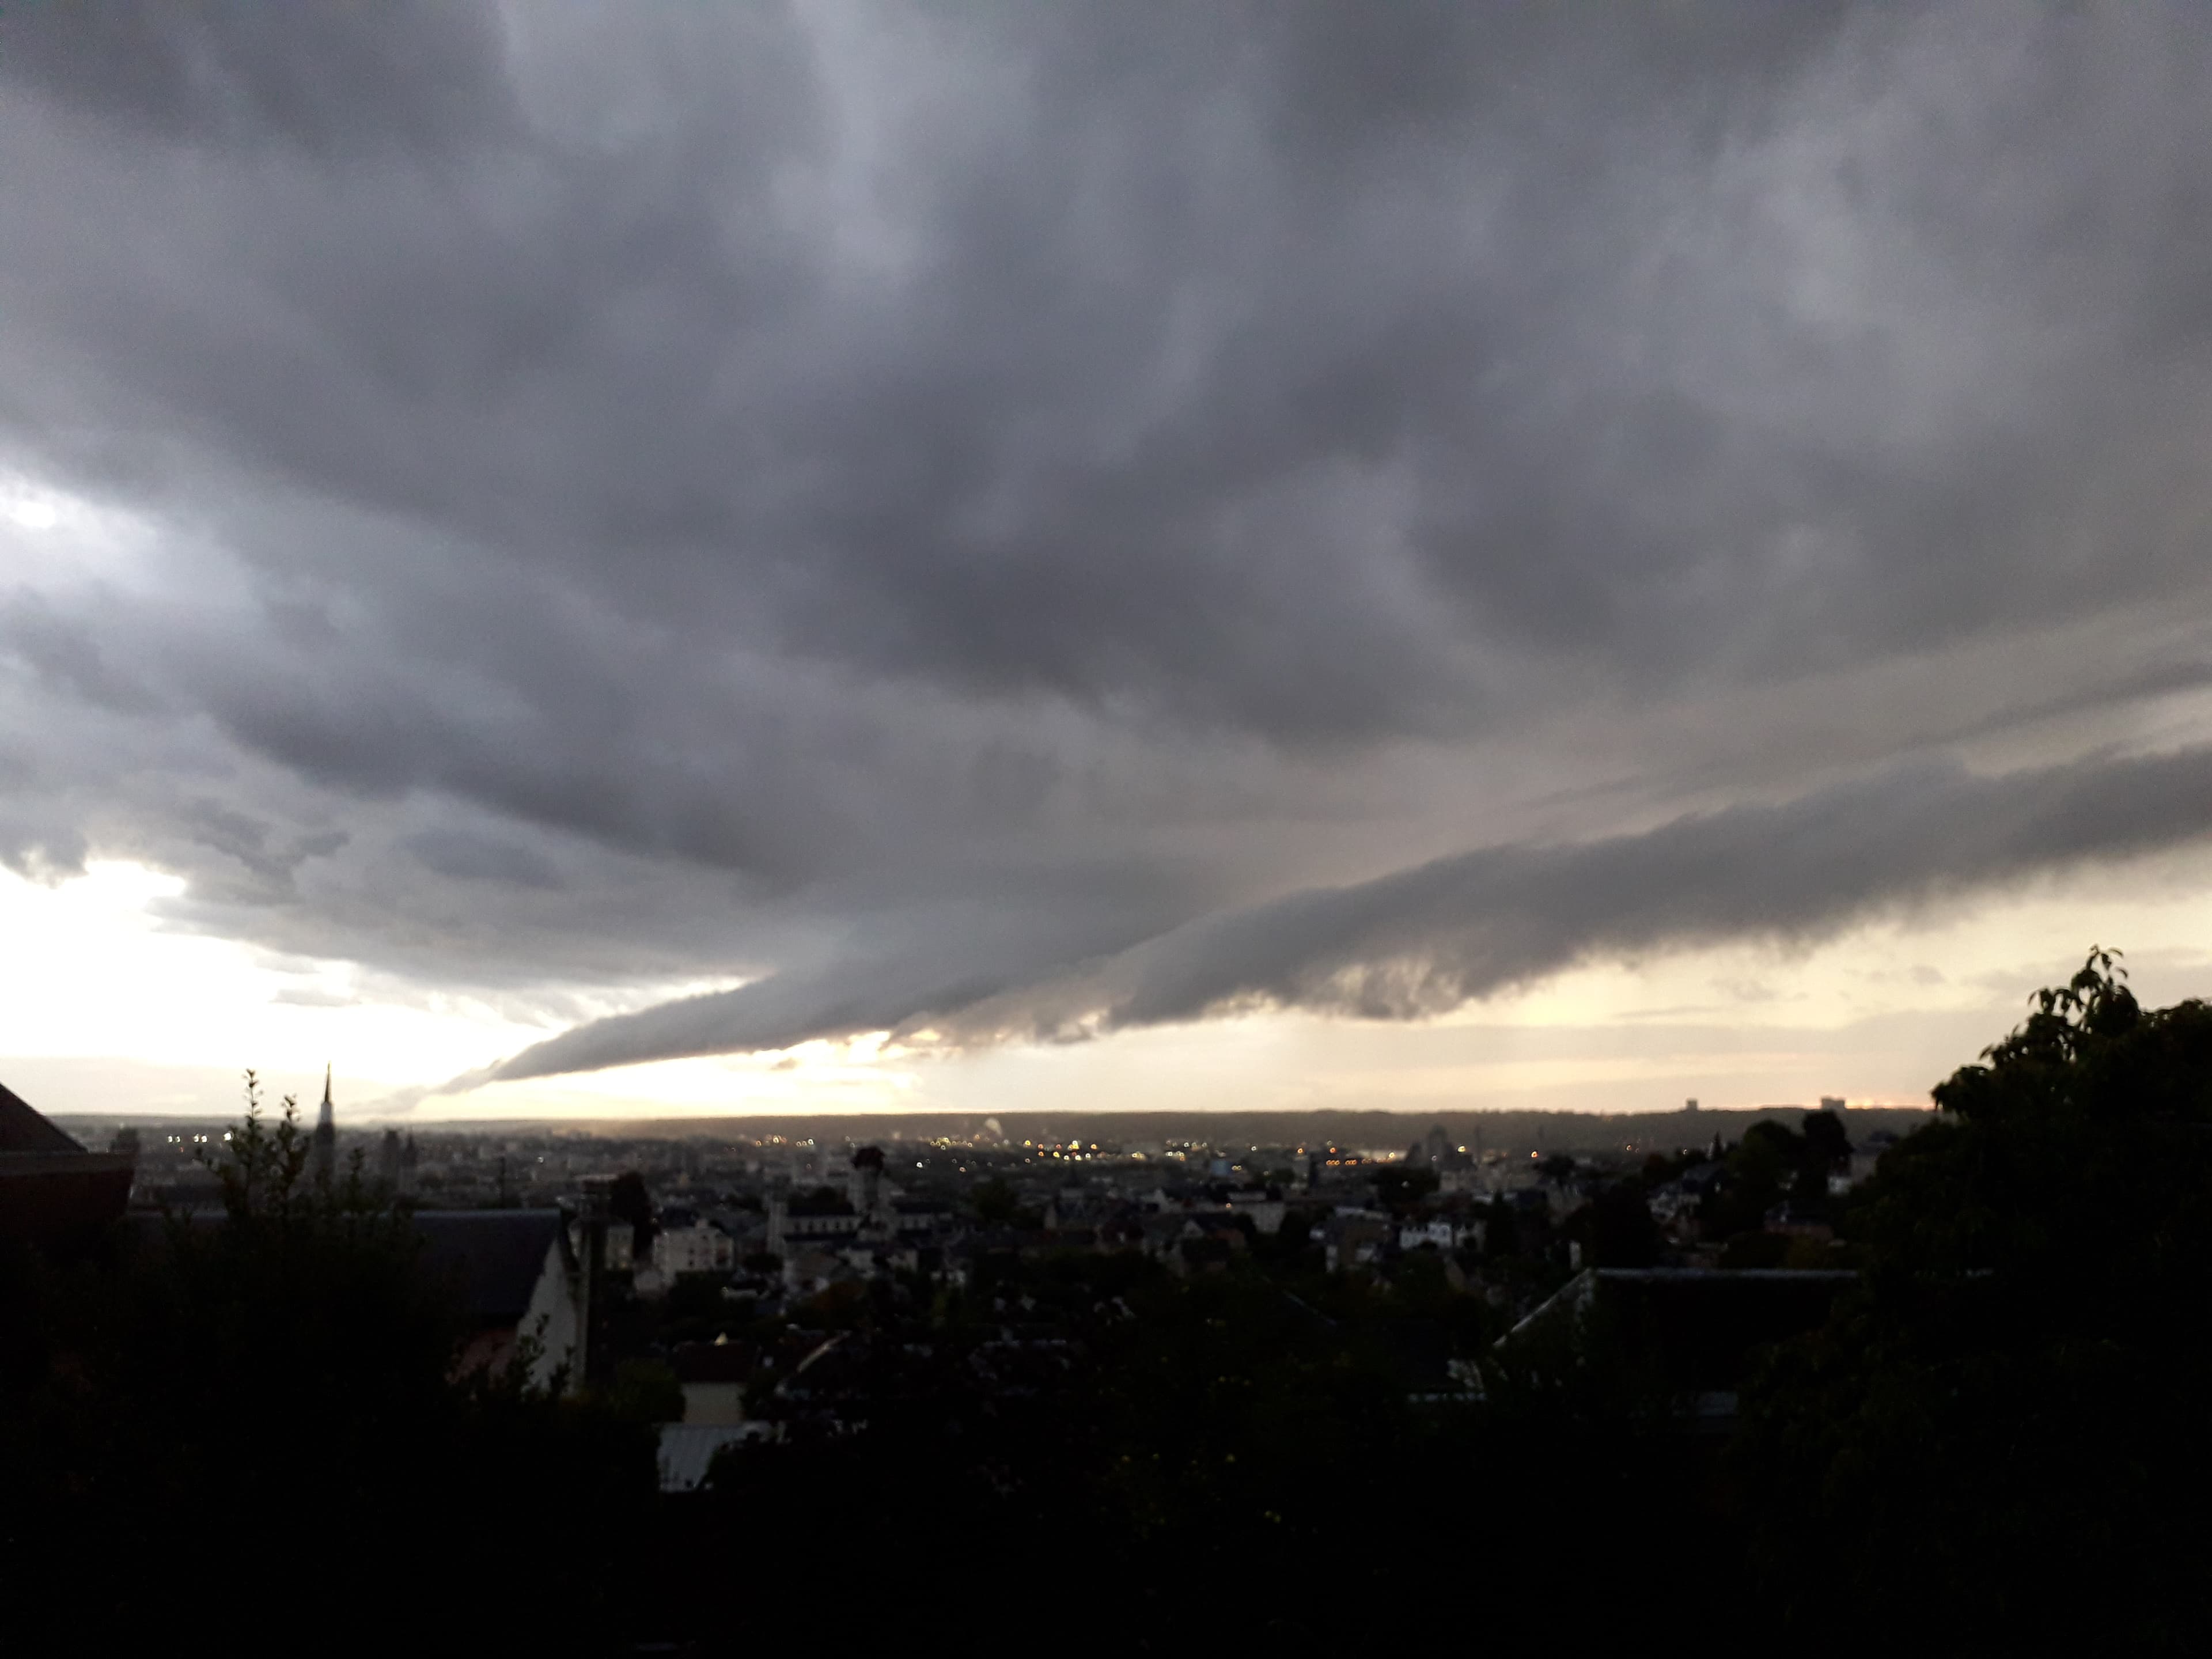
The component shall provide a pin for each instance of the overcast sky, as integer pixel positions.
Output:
(676, 557)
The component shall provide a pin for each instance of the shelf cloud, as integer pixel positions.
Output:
(1428, 939)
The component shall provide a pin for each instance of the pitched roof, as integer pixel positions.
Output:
(497, 1254)
(23, 1130)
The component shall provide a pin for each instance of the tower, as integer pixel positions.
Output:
(323, 1153)
(868, 1196)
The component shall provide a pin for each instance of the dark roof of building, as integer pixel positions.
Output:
(23, 1130)
(497, 1254)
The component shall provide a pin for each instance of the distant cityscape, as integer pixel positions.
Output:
(731, 1239)
(740, 1160)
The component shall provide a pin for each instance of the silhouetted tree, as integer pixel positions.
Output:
(1399, 1186)
(995, 1201)
(628, 1201)
(1826, 1145)
(2019, 1390)
(285, 1371)
(1619, 1230)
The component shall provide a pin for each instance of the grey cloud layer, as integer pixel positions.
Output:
(899, 501)
(1428, 939)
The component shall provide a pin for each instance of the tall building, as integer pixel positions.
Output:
(323, 1154)
(867, 1188)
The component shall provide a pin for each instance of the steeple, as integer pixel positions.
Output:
(323, 1161)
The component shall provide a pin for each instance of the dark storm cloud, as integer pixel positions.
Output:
(901, 501)
(1427, 941)
(329, 79)
(465, 857)
(1187, 339)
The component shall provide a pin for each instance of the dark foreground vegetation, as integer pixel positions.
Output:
(246, 1435)
(250, 1432)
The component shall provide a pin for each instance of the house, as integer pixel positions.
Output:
(1439, 1231)
(873, 1258)
(920, 1215)
(1207, 1244)
(808, 1221)
(523, 1285)
(1673, 1201)
(1068, 1208)
(1264, 1205)
(1864, 1158)
(810, 1268)
(1354, 1238)
(1162, 1233)
(1467, 1176)
(53, 1191)
(699, 1247)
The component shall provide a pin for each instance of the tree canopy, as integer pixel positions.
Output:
(2005, 1430)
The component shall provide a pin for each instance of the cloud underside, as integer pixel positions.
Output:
(1425, 940)
(1002, 520)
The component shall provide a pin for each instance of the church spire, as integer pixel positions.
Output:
(324, 1149)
